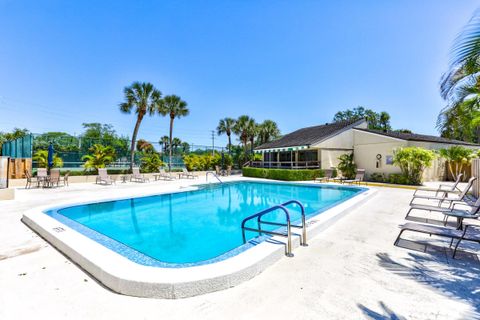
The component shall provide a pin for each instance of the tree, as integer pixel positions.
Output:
(174, 107)
(225, 126)
(347, 166)
(252, 130)
(41, 157)
(412, 162)
(185, 147)
(145, 146)
(460, 87)
(242, 130)
(164, 141)
(457, 157)
(268, 131)
(176, 142)
(150, 162)
(100, 156)
(144, 99)
(375, 120)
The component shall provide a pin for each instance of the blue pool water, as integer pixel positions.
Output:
(193, 226)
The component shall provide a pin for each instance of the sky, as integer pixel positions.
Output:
(63, 63)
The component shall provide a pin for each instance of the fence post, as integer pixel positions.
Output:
(476, 173)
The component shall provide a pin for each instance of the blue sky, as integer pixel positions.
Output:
(63, 63)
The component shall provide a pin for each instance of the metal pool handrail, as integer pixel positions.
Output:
(214, 174)
(259, 230)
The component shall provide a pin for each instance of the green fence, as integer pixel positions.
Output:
(18, 148)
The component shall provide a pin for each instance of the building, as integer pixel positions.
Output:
(320, 146)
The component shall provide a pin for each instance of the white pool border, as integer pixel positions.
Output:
(127, 277)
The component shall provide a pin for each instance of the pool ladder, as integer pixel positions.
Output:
(214, 174)
(288, 224)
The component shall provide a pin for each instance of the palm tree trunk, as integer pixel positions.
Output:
(134, 138)
(229, 144)
(170, 147)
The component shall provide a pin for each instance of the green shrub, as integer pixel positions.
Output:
(347, 166)
(283, 174)
(150, 162)
(377, 177)
(398, 178)
(413, 161)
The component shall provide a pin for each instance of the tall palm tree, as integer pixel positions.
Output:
(460, 86)
(241, 129)
(143, 98)
(175, 107)
(225, 126)
(252, 130)
(268, 131)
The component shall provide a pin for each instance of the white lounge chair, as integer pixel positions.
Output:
(442, 188)
(186, 174)
(163, 175)
(359, 176)
(328, 175)
(137, 176)
(103, 177)
(462, 197)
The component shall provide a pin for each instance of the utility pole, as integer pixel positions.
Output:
(213, 142)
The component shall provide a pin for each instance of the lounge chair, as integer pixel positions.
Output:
(469, 233)
(163, 175)
(358, 177)
(218, 171)
(30, 179)
(450, 188)
(54, 178)
(462, 197)
(137, 176)
(449, 212)
(103, 177)
(326, 178)
(186, 174)
(229, 170)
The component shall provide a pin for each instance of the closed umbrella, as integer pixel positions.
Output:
(50, 155)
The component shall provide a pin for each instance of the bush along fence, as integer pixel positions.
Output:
(283, 174)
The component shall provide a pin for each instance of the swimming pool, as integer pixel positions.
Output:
(193, 227)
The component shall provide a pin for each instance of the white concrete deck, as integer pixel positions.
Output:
(350, 271)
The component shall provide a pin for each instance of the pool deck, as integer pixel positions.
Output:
(349, 271)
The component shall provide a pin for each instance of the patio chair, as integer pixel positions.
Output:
(30, 179)
(163, 175)
(64, 179)
(449, 212)
(54, 178)
(469, 233)
(137, 176)
(326, 178)
(217, 170)
(359, 176)
(229, 170)
(186, 174)
(462, 197)
(442, 188)
(42, 176)
(103, 177)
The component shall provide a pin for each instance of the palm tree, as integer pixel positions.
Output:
(100, 156)
(241, 129)
(164, 141)
(458, 156)
(176, 142)
(384, 121)
(175, 107)
(460, 86)
(143, 98)
(252, 130)
(268, 131)
(225, 126)
(185, 147)
(41, 157)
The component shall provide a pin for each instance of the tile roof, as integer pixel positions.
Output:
(309, 135)
(417, 137)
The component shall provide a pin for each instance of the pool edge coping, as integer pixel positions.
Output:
(127, 277)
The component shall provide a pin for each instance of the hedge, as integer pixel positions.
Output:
(283, 174)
